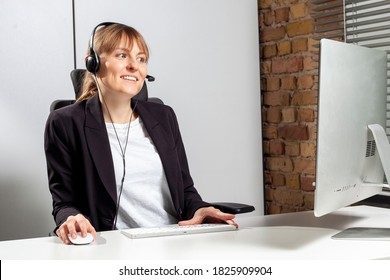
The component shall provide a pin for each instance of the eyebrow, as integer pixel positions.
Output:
(128, 51)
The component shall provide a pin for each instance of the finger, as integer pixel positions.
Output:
(72, 228)
(63, 234)
(85, 226)
(232, 222)
(82, 224)
(215, 215)
(192, 221)
(92, 231)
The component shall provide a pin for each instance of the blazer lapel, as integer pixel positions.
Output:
(99, 145)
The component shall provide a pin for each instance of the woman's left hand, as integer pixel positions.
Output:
(210, 215)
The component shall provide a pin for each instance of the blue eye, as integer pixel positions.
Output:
(122, 55)
(141, 59)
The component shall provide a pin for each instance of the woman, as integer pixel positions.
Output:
(114, 162)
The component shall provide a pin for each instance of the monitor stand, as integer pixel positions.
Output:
(372, 233)
(382, 143)
(364, 233)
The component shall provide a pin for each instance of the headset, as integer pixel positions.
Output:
(92, 62)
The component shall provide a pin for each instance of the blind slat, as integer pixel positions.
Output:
(368, 14)
(355, 8)
(369, 38)
(367, 22)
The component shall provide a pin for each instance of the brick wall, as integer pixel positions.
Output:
(289, 104)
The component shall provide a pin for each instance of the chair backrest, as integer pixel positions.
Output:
(56, 104)
(77, 76)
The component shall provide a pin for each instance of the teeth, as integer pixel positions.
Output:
(130, 78)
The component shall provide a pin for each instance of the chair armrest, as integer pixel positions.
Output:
(232, 207)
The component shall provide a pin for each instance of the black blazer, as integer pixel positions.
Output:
(80, 167)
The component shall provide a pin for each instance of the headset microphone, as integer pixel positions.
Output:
(150, 78)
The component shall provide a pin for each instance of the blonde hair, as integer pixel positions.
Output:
(106, 40)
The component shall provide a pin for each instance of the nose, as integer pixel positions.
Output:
(132, 64)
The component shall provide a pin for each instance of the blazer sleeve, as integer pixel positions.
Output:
(60, 167)
(192, 199)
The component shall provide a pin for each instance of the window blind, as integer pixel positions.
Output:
(361, 22)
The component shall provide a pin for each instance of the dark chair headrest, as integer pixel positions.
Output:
(77, 76)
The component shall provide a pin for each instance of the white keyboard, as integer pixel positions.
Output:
(175, 230)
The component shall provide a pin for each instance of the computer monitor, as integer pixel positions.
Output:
(353, 151)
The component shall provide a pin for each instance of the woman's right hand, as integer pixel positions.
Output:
(74, 224)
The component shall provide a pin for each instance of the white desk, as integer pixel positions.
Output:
(277, 237)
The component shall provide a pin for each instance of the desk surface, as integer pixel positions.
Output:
(275, 237)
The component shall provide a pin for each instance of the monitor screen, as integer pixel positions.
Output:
(352, 96)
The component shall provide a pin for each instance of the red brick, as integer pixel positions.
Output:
(289, 115)
(265, 67)
(294, 64)
(292, 148)
(306, 115)
(273, 208)
(269, 51)
(299, 28)
(282, 14)
(268, 18)
(279, 66)
(272, 83)
(293, 181)
(305, 82)
(276, 98)
(299, 10)
(308, 149)
(267, 178)
(288, 83)
(273, 115)
(305, 166)
(307, 183)
(308, 198)
(278, 179)
(304, 98)
(282, 164)
(293, 132)
(264, 4)
(299, 45)
(270, 132)
(276, 148)
(287, 65)
(272, 34)
(288, 197)
(284, 47)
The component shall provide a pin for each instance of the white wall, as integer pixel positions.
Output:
(205, 57)
(36, 56)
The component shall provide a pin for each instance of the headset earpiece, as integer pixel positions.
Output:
(92, 63)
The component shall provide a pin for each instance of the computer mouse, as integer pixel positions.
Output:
(79, 240)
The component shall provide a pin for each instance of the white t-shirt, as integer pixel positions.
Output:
(146, 200)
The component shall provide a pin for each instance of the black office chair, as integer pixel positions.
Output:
(77, 77)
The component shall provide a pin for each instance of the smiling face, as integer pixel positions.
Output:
(122, 71)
